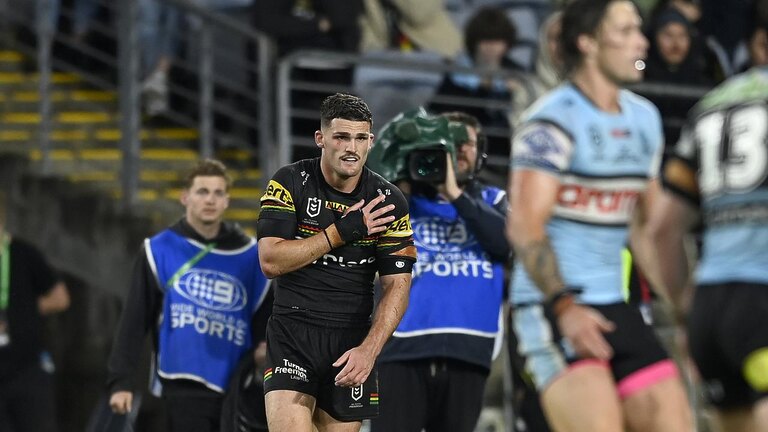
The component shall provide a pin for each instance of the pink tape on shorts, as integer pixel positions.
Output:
(647, 377)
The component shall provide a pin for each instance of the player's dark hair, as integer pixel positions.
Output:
(346, 107)
(579, 17)
(208, 168)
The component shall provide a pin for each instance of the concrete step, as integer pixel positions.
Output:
(83, 135)
(31, 81)
(61, 100)
(10, 61)
(83, 161)
(251, 177)
(85, 145)
(161, 163)
(59, 118)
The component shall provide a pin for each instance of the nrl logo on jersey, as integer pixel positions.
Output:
(357, 392)
(313, 206)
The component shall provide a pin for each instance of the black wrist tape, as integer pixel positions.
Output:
(352, 226)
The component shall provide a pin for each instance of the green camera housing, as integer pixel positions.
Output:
(412, 146)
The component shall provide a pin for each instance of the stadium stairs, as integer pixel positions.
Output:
(85, 145)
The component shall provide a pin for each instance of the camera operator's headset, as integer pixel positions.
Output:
(414, 131)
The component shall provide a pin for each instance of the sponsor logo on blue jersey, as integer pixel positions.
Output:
(212, 289)
(435, 234)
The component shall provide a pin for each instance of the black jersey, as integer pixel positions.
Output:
(299, 203)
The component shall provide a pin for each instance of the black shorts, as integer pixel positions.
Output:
(638, 359)
(300, 357)
(728, 323)
(634, 343)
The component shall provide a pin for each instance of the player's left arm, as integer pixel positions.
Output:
(664, 216)
(639, 241)
(395, 256)
(661, 239)
(670, 221)
(358, 362)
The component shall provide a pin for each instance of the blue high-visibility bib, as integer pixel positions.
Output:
(205, 327)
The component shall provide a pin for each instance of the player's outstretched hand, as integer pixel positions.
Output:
(358, 363)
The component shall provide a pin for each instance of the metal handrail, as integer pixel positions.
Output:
(668, 89)
(267, 54)
(127, 65)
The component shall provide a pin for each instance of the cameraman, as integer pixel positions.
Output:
(432, 371)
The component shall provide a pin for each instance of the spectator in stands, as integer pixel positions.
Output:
(84, 12)
(691, 9)
(159, 24)
(757, 47)
(758, 41)
(726, 26)
(674, 58)
(29, 290)
(331, 25)
(717, 61)
(488, 36)
(196, 286)
(408, 25)
(548, 72)
(310, 24)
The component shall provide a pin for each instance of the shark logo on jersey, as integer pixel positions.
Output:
(626, 154)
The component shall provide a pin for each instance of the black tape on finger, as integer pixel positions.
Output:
(352, 227)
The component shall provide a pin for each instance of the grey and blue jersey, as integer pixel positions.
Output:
(603, 162)
(721, 164)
